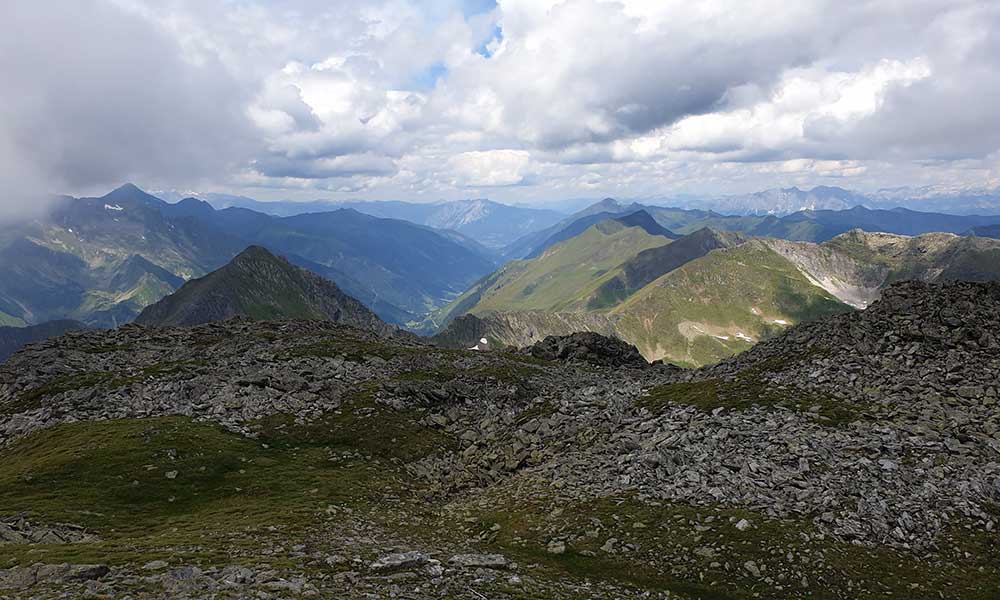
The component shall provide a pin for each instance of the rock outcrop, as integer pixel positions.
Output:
(351, 465)
(588, 347)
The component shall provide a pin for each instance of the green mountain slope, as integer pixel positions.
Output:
(702, 297)
(562, 278)
(649, 265)
(260, 286)
(720, 304)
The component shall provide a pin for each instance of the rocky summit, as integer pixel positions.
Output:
(857, 456)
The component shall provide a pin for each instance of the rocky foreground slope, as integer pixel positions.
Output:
(855, 457)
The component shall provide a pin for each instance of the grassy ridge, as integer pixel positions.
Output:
(745, 290)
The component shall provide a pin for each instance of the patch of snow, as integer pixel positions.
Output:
(742, 336)
(724, 338)
(70, 229)
(476, 347)
(115, 207)
(483, 341)
(780, 321)
(755, 310)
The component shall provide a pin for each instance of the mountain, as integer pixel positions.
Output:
(856, 265)
(638, 218)
(648, 265)
(491, 224)
(702, 297)
(259, 285)
(991, 231)
(785, 201)
(849, 457)
(13, 339)
(804, 225)
(561, 277)
(102, 260)
(401, 270)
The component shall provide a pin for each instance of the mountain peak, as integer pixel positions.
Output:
(255, 253)
(643, 219)
(259, 285)
(131, 193)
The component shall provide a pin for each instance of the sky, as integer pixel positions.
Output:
(515, 100)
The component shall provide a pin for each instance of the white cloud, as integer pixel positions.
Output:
(491, 168)
(394, 98)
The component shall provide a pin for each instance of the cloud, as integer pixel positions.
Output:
(327, 168)
(94, 96)
(535, 98)
(494, 168)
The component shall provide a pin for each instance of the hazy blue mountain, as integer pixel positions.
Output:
(991, 231)
(491, 224)
(101, 260)
(785, 201)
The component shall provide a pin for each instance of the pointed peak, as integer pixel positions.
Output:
(725, 239)
(643, 219)
(255, 253)
(132, 192)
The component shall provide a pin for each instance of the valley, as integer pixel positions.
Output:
(499, 300)
(686, 286)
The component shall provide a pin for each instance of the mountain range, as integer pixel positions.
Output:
(785, 201)
(805, 225)
(696, 299)
(491, 224)
(775, 201)
(102, 260)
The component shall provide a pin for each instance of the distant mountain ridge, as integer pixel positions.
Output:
(805, 225)
(259, 285)
(785, 201)
(491, 224)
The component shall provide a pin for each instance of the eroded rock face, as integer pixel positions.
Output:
(589, 347)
